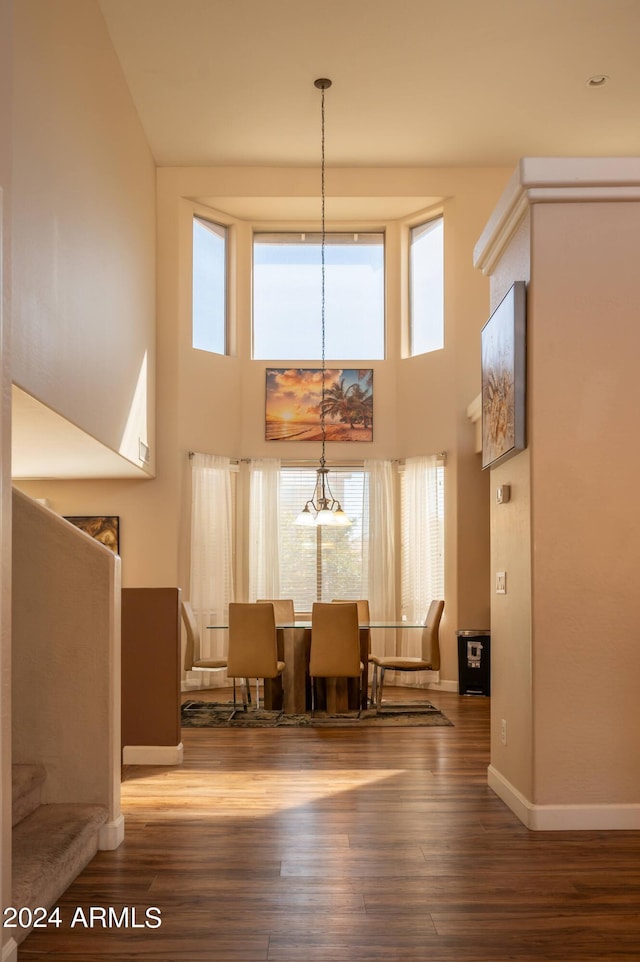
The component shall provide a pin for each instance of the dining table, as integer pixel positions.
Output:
(292, 692)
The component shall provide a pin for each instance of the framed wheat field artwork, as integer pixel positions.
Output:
(503, 343)
(294, 403)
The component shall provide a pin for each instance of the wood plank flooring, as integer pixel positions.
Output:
(338, 846)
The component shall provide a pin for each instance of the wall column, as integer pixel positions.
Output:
(564, 637)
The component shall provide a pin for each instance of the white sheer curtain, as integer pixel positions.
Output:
(264, 528)
(211, 587)
(422, 545)
(382, 564)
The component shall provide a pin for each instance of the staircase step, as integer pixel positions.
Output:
(51, 846)
(26, 790)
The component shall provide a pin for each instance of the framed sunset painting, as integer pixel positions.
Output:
(294, 401)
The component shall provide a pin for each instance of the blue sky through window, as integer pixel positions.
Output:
(209, 283)
(287, 299)
(427, 287)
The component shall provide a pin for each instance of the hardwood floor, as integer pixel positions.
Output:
(333, 846)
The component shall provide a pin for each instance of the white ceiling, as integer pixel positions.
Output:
(415, 82)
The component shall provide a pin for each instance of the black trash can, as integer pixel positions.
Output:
(474, 662)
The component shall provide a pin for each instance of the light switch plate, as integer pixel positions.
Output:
(503, 493)
(501, 582)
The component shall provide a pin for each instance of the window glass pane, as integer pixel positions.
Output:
(209, 286)
(318, 564)
(427, 287)
(287, 295)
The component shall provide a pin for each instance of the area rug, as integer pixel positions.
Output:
(203, 714)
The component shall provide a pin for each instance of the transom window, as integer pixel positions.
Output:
(209, 311)
(427, 287)
(287, 296)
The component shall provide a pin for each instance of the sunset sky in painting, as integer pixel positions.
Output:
(293, 394)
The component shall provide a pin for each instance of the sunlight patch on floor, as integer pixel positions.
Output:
(250, 793)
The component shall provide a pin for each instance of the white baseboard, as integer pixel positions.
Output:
(443, 686)
(111, 835)
(152, 754)
(10, 951)
(434, 682)
(563, 818)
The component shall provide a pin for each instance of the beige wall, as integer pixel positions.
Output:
(84, 313)
(564, 636)
(511, 681)
(84, 237)
(84, 264)
(216, 404)
(6, 54)
(420, 402)
(66, 659)
(585, 465)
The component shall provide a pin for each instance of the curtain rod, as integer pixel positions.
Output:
(190, 455)
(440, 456)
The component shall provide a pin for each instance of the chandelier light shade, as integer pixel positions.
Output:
(322, 508)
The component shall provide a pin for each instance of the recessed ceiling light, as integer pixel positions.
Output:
(599, 80)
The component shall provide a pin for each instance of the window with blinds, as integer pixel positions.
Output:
(319, 564)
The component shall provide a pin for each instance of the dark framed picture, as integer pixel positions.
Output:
(503, 378)
(294, 403)
(104, 528)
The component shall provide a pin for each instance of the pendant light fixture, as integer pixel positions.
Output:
(322, 508)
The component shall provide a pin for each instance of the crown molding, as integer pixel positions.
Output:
(547, 180)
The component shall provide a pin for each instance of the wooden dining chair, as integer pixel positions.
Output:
(335, 644)
(364, 618)
(253, 646)
(429, 660)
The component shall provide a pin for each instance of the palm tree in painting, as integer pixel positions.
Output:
(351, 405)
(335, 403)
(360, 406)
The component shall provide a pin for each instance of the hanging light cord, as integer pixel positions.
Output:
(326, 509)
(323, 84)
